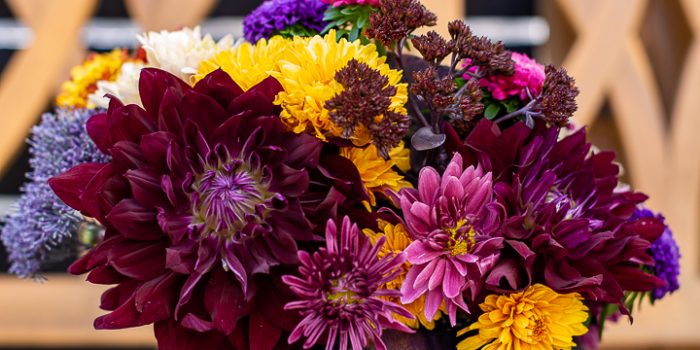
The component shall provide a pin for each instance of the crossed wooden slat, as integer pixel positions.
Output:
(30, 80)
(608, 61)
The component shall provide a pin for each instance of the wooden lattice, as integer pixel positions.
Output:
(624, 58)
(651, 121)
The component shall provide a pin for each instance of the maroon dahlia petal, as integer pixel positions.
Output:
(98, 129)
(219, 85)
(135, 221)
(69, 186)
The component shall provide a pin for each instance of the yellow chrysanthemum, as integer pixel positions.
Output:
(536, 318)
(397, 240)
(83, 78)
(248, 64)
(307, 73)
(378, 174)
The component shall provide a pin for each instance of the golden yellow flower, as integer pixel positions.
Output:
(397, 240)
(378, 174)
(536, 318)
(83, 78)
(248, 64)
(307, 73)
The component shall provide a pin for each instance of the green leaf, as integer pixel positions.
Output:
(354, 33)
(347, 10)
(362, 21)
(459, 82)
(511, 105)
(492, 111)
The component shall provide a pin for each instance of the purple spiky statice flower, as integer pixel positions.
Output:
(666, 255)
(273, 16)
(453, 223)
(42, 228)
(340, 290)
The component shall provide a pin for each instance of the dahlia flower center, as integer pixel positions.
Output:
(461, 239)
(227, 198)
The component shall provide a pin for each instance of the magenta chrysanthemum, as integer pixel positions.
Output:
(206, 195)
(452, 222)
(340, 287)
(525, 83)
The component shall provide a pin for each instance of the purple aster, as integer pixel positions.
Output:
(452, 221)
(273, 16)
(666, 255)
(340, 287)
(42, 228)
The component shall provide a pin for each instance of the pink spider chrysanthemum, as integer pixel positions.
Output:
(340, 287)
(452, 221)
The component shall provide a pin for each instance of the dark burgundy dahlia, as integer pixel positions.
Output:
(567, 224)
(204, 202)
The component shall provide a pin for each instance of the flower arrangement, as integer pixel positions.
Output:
(333, 182)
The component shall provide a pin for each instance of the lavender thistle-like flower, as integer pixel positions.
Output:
(666, 255)
(273, 16)
(41, 229)
(340, 290)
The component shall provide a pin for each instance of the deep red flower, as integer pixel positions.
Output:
(567, 224)
(205, 202)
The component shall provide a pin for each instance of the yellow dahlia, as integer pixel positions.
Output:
(84, 77)
(378, 174)
(307, 73)
(536, 318)
(397, 240)
(248, 64)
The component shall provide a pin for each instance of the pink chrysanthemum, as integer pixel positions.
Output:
(525, 83)
(337, 3)
(452, 221)
(340, 287)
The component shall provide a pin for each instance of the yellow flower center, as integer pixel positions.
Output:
(340, 293)
(540, 330)
(461, 243)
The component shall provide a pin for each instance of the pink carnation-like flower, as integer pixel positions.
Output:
(452, 221)
(529, 75)
(337, 3)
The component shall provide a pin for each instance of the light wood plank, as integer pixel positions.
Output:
(58, 312)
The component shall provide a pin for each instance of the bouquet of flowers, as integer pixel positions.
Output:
(337, 181)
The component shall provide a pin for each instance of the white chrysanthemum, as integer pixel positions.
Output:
(180, 52)
(126, 87)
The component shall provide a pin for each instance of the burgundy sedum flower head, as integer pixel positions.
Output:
(566, 225)
(206, 195)
(452, 222)
(340, 287)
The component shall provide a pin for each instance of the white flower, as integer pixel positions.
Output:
(180, 52)
(126, 87)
